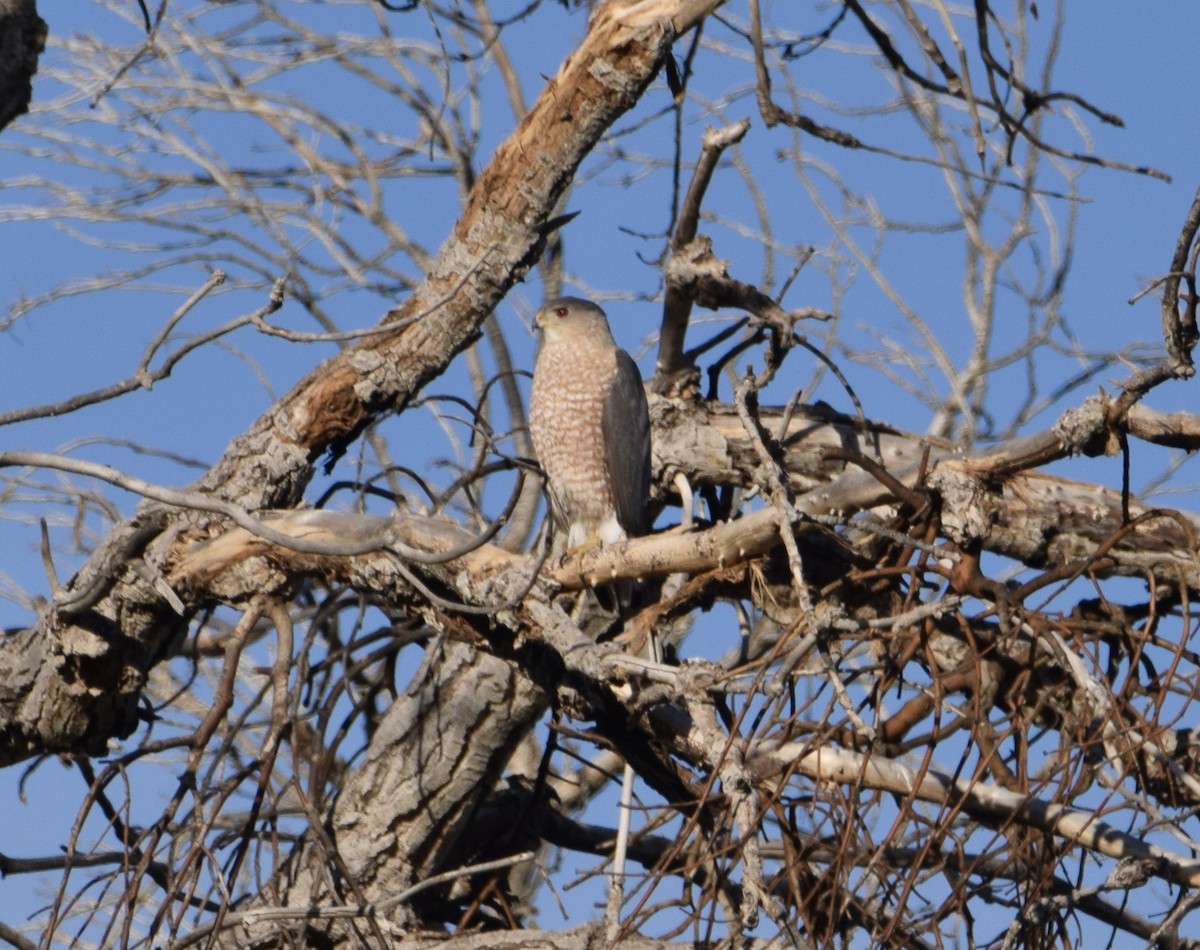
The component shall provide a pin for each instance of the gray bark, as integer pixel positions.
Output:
(72, 682)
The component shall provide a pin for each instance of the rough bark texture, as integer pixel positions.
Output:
(869, 624)
(439, 749)
(73, 681)
(415, 758)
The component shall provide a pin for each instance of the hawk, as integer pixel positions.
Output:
(590, 426)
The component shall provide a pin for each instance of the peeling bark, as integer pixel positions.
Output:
(58, 698)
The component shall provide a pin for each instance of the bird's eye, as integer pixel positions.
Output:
(560, 311)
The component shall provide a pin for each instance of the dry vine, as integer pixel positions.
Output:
(950, 688)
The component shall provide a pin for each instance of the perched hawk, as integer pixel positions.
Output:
(590, 426)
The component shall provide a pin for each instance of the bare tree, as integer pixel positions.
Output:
(891, 688)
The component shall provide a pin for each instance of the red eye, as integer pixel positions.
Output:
(561, 311)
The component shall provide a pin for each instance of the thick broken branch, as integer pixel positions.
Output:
(72, 686)
(672, 367)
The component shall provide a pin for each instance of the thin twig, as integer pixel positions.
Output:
(249, 918)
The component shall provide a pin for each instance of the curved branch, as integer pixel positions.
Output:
(69, 689)
(981, 800)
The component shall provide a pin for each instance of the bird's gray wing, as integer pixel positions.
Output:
(625, 427)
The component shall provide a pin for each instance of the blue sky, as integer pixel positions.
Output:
(1134, 60)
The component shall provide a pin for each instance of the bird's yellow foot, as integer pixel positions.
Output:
(591, 542)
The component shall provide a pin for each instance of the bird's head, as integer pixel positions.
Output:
(566, 318)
